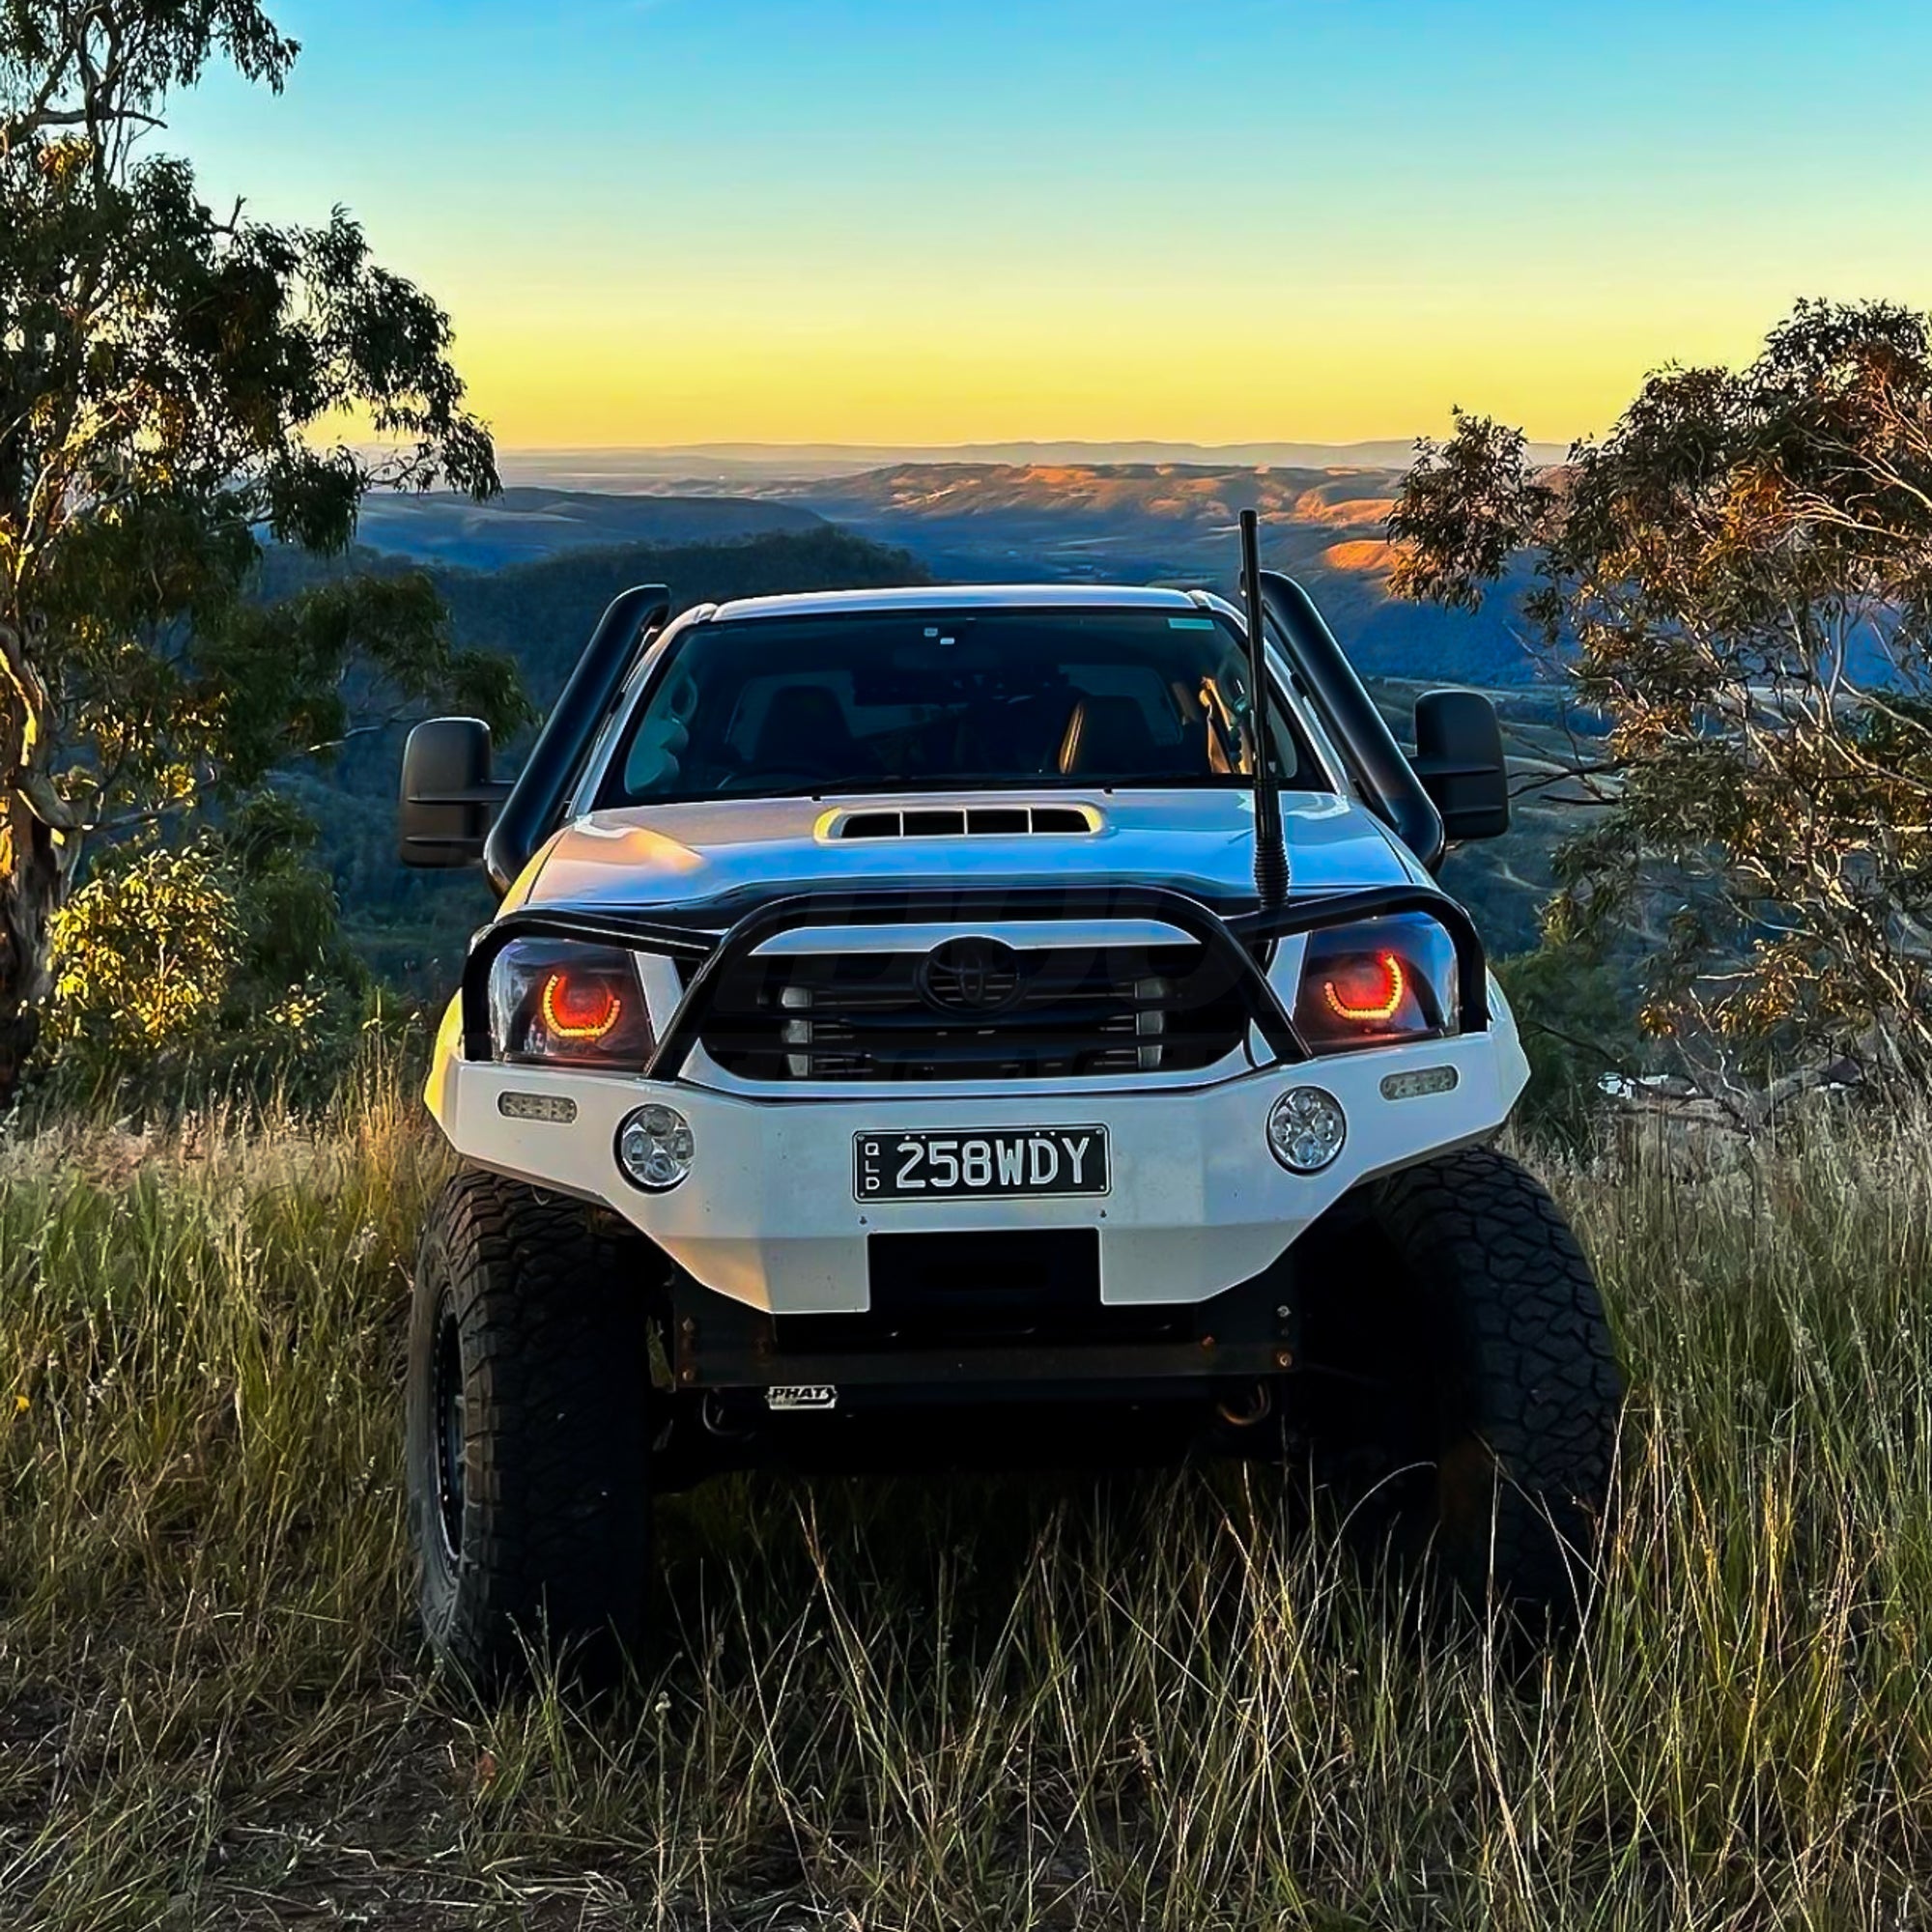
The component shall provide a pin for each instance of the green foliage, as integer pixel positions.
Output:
(1739, 578)
(206, 966)
(173, 383)
(147, 949)
(298, 667)
(1577, 1023)
(1463, 513)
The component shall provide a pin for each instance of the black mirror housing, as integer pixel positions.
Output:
(1459, 758)
(449, 800)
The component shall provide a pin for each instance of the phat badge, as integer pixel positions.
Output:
(802, 1395)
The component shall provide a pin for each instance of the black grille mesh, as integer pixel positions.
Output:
(1076, 1011)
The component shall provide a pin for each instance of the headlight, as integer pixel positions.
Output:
(1377, 984)
(556, 1001)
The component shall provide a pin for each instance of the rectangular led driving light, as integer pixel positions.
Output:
(556, 1108)
(1424, 1080)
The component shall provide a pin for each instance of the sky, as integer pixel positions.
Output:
(940, 221)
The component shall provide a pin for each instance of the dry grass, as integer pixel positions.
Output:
(1139, 1703)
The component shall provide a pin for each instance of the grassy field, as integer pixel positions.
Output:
(999, 1704)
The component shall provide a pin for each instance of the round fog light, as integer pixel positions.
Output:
(1306, 1129)
(654, 1149)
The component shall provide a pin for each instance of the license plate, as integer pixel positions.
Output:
(979, 1164)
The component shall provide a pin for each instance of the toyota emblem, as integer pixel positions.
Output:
(970, 977)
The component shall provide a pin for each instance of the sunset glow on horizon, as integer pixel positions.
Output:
(676, 221)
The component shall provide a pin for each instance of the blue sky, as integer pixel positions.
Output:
(671, 220)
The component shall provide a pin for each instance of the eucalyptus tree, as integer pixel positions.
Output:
(179, 386)
(1737, 580)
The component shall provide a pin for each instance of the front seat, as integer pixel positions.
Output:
(1109, 737)
(805, 729)
(1010, 737)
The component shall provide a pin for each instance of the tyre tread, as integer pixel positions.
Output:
(1521, 1314)
(556, 1542)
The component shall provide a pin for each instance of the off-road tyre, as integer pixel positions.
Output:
(534, 1536)
(1492, 1429)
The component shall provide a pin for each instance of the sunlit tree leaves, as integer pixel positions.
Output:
(177, 386)
(1739, 578)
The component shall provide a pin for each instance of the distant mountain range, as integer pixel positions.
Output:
(732, 464)
(1133, 521)
(524, 524)
(1128, 522)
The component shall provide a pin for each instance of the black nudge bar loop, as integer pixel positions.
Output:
(1239, 941)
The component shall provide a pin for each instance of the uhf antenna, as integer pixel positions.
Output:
(1270, 854)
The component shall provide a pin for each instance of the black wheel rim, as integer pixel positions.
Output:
(446, 1422)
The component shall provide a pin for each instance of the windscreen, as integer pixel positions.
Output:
(993, 698)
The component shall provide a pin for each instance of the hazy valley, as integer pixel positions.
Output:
(1126, 522)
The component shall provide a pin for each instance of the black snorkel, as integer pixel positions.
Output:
(1270, 853)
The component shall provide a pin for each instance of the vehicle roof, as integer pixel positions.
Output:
(965, 597)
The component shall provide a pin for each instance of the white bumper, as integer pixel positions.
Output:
(768, 1215)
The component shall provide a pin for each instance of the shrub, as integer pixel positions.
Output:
(214, 963)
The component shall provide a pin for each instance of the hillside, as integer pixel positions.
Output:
(1129, 523)
(1166, 521)
(1135, 503)
(524, 524)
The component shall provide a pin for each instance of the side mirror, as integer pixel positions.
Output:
(449, 799)
(1459, 758)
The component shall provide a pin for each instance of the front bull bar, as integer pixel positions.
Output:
(1241, 942)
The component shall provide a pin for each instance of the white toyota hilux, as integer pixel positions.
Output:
(952, 1026)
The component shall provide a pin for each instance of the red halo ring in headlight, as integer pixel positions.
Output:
(1387, 1002)
(579, 1010)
